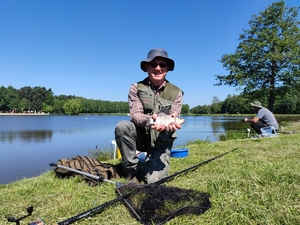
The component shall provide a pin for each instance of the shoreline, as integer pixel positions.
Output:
(24, 114)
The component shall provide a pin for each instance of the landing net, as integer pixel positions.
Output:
(156, 204)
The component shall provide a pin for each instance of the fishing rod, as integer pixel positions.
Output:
(98, 178)
(101, 207)
(163, 180)
(222, 131)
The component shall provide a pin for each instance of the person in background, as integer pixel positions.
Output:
(263, 118)
(147, 99)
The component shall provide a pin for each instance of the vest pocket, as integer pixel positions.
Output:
(147, 99)
(164, 105)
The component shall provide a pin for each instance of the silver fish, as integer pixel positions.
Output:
(163, 119)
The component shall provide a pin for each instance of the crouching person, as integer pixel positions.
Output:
(146, 100)
(263, 118)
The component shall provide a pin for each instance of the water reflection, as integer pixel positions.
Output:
(35, 136)
(224, 124)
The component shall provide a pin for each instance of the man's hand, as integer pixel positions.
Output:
(170, 128)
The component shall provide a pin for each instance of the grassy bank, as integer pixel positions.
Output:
(257, 184)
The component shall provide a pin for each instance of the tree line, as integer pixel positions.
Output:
(288, 103)
(40, 99)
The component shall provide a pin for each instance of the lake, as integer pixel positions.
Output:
(29, 143)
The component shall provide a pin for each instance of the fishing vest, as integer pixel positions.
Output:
(151, 105)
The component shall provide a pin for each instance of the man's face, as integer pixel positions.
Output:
(255, 108)
(157, 70)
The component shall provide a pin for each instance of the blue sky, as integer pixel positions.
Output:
(93, 48)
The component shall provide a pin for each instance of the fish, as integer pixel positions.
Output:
(164, 119)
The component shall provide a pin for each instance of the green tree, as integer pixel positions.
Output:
(49, 101)
(3, 102)
(185, 109)
(23, 105)
(11, 98)
(14, 102)
(268, 56)
(86, 105)
(204, 109)
(58, 106)
(39, 96)
(47, 108)
(287, 105)
(101, 107)
(235, 104)
(73, 106)
(25, 92)
(216, 105)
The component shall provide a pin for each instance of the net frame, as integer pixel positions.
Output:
(156, 204)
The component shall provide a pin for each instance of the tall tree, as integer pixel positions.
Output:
(268, 56)
(185, 109)
(235, 104)
(3, 102)
(12, 98)
(58, 106)
(73, 106)
(23, 105)
(215, 105)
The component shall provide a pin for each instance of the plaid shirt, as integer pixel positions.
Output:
(136, 107)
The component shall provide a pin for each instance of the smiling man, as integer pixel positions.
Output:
(146, 100)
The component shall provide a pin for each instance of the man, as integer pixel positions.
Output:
(146, 100)
(263, 118)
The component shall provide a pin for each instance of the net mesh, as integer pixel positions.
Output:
(156, 204)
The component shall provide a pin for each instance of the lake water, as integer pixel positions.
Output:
(29, 143)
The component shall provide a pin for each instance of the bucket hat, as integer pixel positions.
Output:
(256, 104)
(158, 52)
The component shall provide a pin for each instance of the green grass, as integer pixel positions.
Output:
(258, 183)
(101, 154)
(230, 135)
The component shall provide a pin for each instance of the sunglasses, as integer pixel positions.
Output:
(161, 65)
